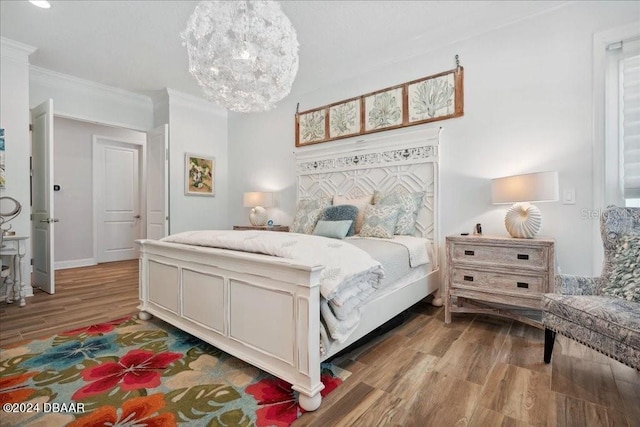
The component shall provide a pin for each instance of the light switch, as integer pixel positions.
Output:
(569, 197)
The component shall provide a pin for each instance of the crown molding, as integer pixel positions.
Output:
(15, 50)
(59, 80)
(190, 101)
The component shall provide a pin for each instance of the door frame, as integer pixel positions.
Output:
(105, 141)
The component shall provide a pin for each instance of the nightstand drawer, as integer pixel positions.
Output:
(509, 256)
(524, 284)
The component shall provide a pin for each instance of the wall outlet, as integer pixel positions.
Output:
(569, 197)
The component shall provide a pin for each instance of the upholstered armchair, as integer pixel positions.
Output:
(602, 312)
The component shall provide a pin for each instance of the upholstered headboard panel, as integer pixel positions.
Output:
(356, 168)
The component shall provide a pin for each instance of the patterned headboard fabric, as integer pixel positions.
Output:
(407, 160)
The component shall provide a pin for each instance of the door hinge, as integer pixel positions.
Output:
(30, 127)
(31, 217)
(31, 262)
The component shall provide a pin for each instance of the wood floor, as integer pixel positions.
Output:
(477, 371)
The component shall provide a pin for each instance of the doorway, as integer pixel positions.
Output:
(118, 198)
(75, 233)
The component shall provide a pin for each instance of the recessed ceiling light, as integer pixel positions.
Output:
(41, 3)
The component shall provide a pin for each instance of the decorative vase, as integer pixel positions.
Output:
(523, 220)
(258, 216)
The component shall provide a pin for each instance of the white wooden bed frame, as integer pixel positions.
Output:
(266, 310)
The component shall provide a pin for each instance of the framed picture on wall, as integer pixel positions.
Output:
(199, 175)
(311, 127)
(344, 119)
(383, 109)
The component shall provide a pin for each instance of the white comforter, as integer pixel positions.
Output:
(346, 266)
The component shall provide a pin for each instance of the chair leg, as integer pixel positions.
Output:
(549, 340)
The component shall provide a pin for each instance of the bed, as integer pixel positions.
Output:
(264, 309)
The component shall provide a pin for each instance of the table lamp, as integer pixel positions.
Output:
(258, 201)
(524, 220)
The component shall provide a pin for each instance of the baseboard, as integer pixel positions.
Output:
(74, 263)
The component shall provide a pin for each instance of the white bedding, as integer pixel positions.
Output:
(345, 265)
(350, 277)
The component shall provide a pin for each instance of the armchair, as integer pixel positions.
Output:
(602, 312)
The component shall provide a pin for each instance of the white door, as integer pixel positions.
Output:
(42, 222)
(158, 182)
(116, 199)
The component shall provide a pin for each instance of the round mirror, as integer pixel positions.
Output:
(9, 208)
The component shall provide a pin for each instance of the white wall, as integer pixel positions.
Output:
(89, 101)
(14, 119)
(198, 127)
(73, 204)
(528, 108)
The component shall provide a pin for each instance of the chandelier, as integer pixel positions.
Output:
(244, 54)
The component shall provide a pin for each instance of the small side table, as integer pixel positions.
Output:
(15, 248)
(284, 228)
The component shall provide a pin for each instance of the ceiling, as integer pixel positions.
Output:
(135, 45)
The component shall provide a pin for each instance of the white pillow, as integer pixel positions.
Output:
(360, 202)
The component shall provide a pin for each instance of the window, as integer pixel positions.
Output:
(622, 151)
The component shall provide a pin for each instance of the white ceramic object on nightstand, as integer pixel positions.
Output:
(258, 216)
(523, 220)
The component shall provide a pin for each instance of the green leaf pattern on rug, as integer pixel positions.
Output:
(202, 387)
(233, 418)
(195, 402)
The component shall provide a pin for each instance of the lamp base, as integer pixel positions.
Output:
(523, 220)
(258, 216)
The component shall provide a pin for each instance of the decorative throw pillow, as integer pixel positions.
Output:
(305, 220)
(410, 205)
(380, 221)
(624, 281)
(333, 229)
(342, 213)
(359, 202)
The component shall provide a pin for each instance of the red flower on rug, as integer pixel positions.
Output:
(278, 400)
(135, 412)
(136, 369)
(11, 390)
(100, 328)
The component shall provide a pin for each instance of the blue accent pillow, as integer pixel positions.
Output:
(333, 229)
(342, 213)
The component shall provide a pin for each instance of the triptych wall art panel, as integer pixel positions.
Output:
(432, 98)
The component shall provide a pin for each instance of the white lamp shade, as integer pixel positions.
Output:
(258, 198)
(532, 187)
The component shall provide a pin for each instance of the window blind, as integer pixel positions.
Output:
(630, 117)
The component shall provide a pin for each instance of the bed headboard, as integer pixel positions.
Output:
(382, 162)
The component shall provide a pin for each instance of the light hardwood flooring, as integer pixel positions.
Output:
(477, 371)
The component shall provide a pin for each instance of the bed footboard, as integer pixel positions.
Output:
(260, 309)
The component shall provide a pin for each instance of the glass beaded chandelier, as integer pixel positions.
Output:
(244, 54)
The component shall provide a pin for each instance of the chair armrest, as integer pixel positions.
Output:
(577, 285)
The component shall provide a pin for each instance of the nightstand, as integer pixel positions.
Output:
(284, 228)
(503, 276)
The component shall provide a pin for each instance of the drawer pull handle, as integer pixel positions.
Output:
(472, 253)
(468, 278)
(523, 285)
(523, 256)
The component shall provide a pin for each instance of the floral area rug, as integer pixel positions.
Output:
(131, 372)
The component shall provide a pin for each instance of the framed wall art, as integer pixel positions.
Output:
(434, 98)
(428, 99)
(311, 127)
(383, 109)
(345, 118)
(199, 175)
